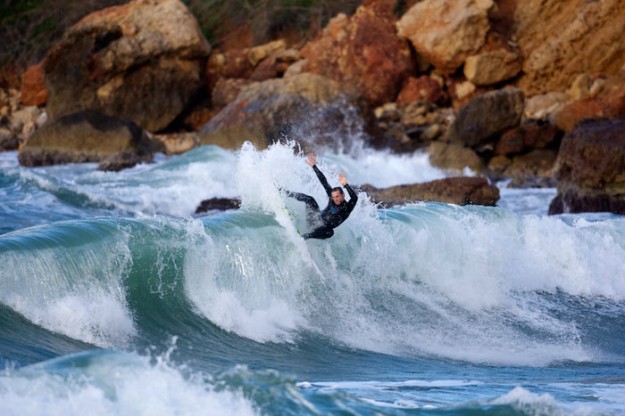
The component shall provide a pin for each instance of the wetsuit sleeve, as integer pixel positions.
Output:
(353, 198)
(323, 180)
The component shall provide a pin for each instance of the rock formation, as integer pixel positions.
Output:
(140, 61)
(591, 169)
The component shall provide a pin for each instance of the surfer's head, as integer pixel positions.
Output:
(337, 195)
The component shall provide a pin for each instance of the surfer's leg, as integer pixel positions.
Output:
(307, 199)
(313, 214)
(319, 233)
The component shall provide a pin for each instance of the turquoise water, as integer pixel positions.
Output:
(116, 299)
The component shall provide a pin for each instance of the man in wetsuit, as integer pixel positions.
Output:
(337, 210)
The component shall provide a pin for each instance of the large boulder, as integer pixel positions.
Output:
(306, 106)
(486, 115)
(446, 32)
(363, 52)
(140, 61)
(459, 190)
(88, 136)
(561, 39)
(591, 169)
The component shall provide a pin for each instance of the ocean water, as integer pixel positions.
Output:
(116, 299)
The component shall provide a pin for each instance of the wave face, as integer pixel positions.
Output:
(401, 307)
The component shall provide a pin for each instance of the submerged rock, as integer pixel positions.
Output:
(591, 169)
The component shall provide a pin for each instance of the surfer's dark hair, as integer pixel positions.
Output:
(338, 188)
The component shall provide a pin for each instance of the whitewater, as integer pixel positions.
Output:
(115, 298)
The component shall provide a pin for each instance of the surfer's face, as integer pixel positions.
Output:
(337, 197)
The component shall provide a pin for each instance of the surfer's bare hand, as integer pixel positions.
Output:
(342, 179)
(312, 159)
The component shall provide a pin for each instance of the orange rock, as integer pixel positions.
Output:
(362, 52)
(34, 90)
(446, 32)
(423, 89)
(561, 39)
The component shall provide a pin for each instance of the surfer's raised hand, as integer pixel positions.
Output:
(311, 159)
(342, 179)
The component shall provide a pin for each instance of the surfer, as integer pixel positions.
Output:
(337, 210)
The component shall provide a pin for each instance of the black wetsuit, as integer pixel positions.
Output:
(323, 222)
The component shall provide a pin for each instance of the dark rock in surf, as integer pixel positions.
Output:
(458, 190)
(217, 204)
(591, 169)
(88, 136)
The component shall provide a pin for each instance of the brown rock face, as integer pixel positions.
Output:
(139, 61)
(34, 90)
(363, 52)
(422, 89)
(241, 63)
(446, 32)
(561, 39)
(486, 115)
(529, 135)
(491, 67)
(459, 190)
(608, 102)
(591, 169)
(88, 137)
(306, 105)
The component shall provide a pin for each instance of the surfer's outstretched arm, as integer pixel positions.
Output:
(312, 162)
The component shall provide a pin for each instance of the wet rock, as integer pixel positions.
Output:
(87, 136)
(140, 61)
(177, 143)
(446, 32)
(302, 106)
(217, 204)
(362, 52)
(458, 190)
(591, 169)
(486, 115)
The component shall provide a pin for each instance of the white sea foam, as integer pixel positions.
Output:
(459, 282)
(116, 384)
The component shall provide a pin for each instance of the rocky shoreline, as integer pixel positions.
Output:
(531, 92)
